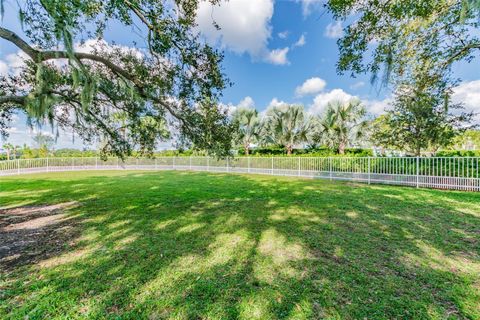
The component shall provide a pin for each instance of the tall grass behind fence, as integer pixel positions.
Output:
(460, 173)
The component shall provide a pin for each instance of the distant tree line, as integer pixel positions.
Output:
(290, 127)
(343, 129)
(421, 121)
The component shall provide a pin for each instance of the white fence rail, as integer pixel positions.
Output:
(458, 173)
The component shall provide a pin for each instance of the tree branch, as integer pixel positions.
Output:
(155, 29)
(40, 56)
(18, 100)
(19, 42)
(461, 52)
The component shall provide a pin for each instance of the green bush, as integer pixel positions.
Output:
(268, 151)
(307, 152)
(180, 153)
(458, 153)
(68, 152)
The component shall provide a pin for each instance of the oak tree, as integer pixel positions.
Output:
(127, 97)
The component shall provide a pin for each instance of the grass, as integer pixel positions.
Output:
(172, 245)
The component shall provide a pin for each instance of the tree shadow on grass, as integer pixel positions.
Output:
(32, 233)
(199, 245)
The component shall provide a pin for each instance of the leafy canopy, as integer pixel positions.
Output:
(286, 125)
(341, 125)
(126, 98)
(413, 45)
(247, 127)
(389, 35)
(423, 117)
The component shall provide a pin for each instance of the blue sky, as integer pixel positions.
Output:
(275, 51)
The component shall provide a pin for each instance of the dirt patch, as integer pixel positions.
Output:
(30, 234)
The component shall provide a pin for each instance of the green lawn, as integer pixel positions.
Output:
(173, 245)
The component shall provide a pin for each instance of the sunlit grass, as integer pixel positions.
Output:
(177, 245)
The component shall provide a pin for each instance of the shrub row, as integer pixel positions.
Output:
(458, 153)
(310, 152)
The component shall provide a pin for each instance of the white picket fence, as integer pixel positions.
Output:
(456, 173)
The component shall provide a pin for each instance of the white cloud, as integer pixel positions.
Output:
(12, 130)
(357, 85)
(309, 5)
(13, 63)
(311, 86)
(3, 68)
(276, 103)
(322, 100)
(244, 25)
(16, 60)
(468, 93)
(246, 102)
(374, 107)
(283, 34)
(334, 30)
(91, 44)
(300, 42)
(278, 56)
(377, 107)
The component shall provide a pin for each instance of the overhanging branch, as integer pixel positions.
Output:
(41, 56)
(18, 100)
(462, 52)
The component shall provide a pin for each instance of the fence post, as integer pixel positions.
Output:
(48, 168)
(228, 161)
(18, 166)
(248, 164)
(418, 171)
(118, 163)
(173, 164)
(73, 163)
(299, 166)
(330, 167)
(208, 163)
(190, 162)
(156, 168)
(272, 166)
(368, 170)
(96, 163)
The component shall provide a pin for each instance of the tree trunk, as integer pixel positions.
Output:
(247, 151)
(418, 151)
(289, 150)
(8, 154)
(341, 148)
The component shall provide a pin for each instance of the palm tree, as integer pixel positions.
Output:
(342, 124)
(16, 148)
(8, 148)
(45, 141)
(247, 125)
(287, 125)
